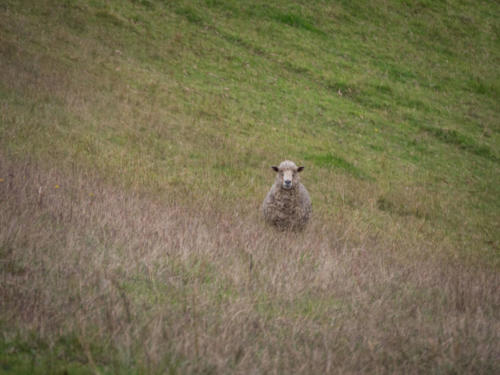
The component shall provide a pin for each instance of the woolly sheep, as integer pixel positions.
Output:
(287, 206)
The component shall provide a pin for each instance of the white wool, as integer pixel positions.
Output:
(287, 206)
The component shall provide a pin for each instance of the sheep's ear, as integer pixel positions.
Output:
(300, 169)
(275, 168)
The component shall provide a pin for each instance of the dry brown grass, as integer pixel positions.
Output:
(116, 280)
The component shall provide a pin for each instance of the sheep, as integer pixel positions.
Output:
(287, 206)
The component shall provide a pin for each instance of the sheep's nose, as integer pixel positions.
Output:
(288, 182)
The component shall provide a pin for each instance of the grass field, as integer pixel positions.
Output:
(136, 139)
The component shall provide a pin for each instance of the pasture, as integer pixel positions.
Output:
(136, 139)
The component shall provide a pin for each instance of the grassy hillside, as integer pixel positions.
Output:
(135, 145)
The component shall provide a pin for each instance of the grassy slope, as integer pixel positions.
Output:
(392, 107)
(189, 98)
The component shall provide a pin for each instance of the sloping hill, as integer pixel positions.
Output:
(392, 106)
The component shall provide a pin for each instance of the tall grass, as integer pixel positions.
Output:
(99, 280)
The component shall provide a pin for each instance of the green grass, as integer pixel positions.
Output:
(392, 106)
(332, 161)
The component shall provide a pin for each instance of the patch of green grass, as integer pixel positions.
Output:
(33, 356)
(106, 16)
(478, 86)
(329, 160)
(191, 14)
(295, 20)
(67, 355)
(455, 138)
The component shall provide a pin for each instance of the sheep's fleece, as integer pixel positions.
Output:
(287, 206)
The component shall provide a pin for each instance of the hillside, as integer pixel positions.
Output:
(135, 144)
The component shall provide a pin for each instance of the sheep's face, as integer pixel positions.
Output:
(287, 174)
